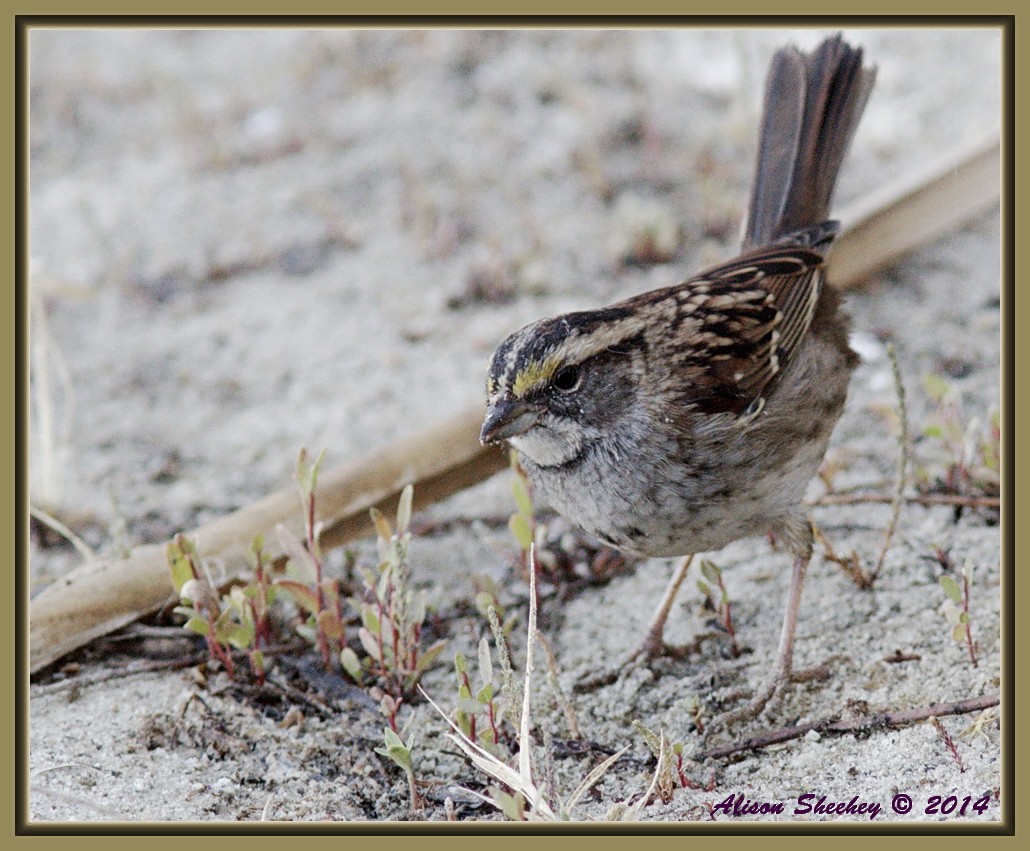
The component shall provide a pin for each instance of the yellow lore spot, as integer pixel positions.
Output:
(537, 372)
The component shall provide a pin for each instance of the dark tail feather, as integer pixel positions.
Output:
(813, 103)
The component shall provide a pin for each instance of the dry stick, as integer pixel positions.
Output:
(917, 499)
(834, 726)
(99, 597)
(899, 488)
(915, 210)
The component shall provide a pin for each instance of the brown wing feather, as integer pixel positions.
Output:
(751, 315)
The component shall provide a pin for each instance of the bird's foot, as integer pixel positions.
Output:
(771, 692)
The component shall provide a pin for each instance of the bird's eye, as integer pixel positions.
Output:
(566, 378)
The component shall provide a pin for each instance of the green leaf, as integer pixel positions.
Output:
(486, 668)
(315, 467)
(237, 599)
(350, 663)
(951, 588)
(485, 694)
(198, 625)
(710, 571)
(520, 529)
(469, 706)
(959, 633)
(523, 502)
(967, 570)
(936, 387)
(429, 655)
(179, 563)
(306, 473)
(382, 525)
(330, 624)
(385, 580)
(301, 594)
(396, 750)
(513, 806)
(239, 635)
(370, 619)
(404, 509)
(461, 664)
(483, 600)
(370, 644)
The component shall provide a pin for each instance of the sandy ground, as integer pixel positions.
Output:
(246, 242)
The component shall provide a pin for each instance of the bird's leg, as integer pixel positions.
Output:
(783, 669)
(654, 644)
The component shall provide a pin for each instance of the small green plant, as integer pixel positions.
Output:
(488, 594)
(239, 618)
(305, 581)
(956, 608)
(672, 764)
(520, 796)
(720, 604)
(399, 751)
(220, 622)
(959, 457)
(522, 522)
(695, 709)
(481, 703)
(392, 613)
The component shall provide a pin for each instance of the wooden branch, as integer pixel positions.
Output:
(887, 224)
(834, 726)
(928, 499)
(99, 597)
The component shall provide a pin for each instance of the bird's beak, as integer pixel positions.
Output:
(506, 417)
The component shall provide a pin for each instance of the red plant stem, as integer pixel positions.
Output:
(727, 617)
(684, 782)
(391, 591)
(379, 636)
(262, 629)
(321, 637)
(416, 634)
(217, 651)
(965, 608)
(493, 721)
(472, 716)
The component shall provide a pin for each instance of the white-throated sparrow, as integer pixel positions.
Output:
(688, 417)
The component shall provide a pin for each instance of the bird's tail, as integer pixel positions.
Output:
(813, 103)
